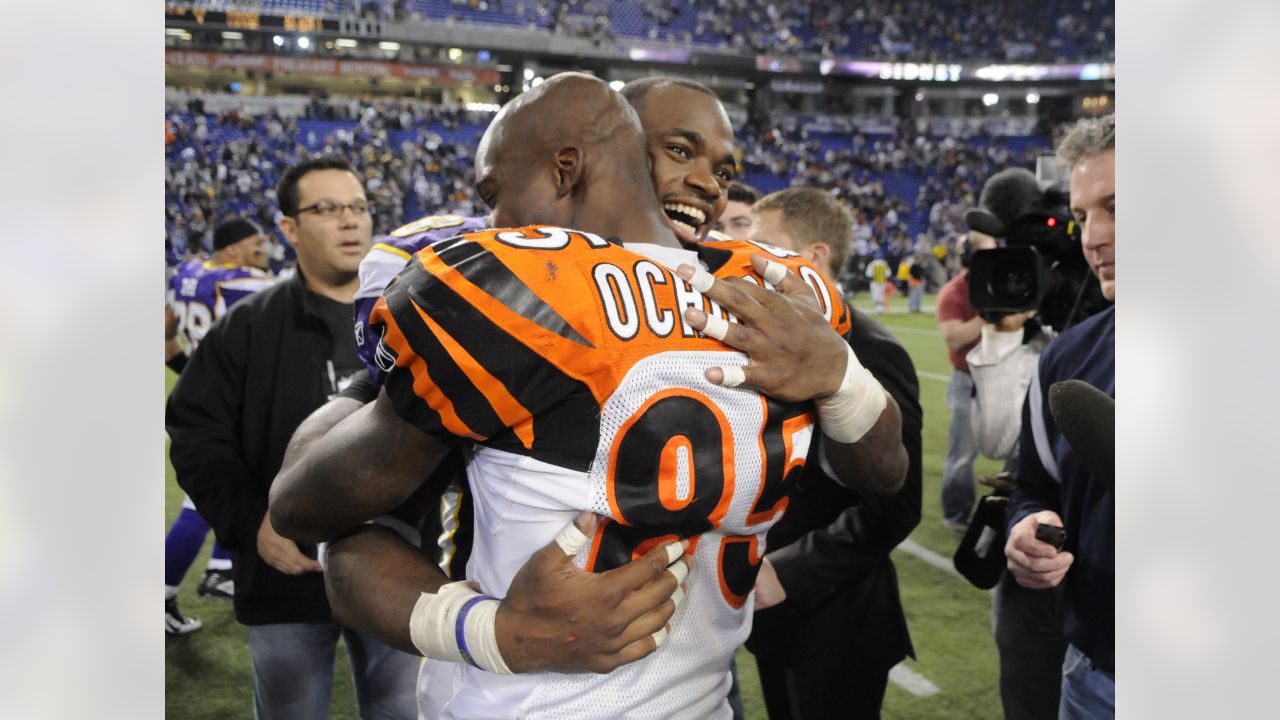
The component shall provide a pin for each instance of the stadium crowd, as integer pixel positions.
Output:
(412, 158)
(914, 30)
(908, 190)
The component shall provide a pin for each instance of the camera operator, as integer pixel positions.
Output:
(960, 327)
(1055, 487)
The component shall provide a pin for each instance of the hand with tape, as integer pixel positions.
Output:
(794, 354)
(558, 617)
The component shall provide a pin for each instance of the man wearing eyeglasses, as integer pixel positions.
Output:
(261, 369)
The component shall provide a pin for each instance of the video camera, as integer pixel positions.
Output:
(1041, 266)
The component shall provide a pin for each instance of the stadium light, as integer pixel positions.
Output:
(232, 35)
(345, 43)
(990, 99)
(455, 54)
(536, 82)
(304, 42)
(279, 41)
(920, 97)
(390, 46)
(616, 84)
(1033, 98)
(528, 74)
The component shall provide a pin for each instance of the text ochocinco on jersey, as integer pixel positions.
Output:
(517, 339)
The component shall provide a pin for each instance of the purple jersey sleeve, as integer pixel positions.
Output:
(386, 259)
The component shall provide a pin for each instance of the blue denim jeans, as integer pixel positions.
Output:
(958, 492)
(293, 673)
(1088, 692)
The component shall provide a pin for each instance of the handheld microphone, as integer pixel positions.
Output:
(1087, 418)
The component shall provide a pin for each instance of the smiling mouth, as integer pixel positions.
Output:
(685, 220)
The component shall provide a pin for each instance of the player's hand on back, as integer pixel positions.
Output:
(282, 553)
(794, 354)
(558, 617)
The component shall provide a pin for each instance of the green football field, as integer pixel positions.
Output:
(207, 672)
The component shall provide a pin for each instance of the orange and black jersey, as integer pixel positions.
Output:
(516, 338)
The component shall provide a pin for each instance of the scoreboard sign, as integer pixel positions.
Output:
(252, 20)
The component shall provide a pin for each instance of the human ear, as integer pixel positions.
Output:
(570, 169)
(289, 227)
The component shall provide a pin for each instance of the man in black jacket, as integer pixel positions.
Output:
(259, 372)
(829, 623)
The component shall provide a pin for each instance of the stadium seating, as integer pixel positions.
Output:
(907, 188)
(912, 30)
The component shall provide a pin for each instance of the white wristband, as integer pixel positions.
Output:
(852, 410)
(457, 624)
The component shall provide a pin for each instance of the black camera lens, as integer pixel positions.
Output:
(1018, 284)
(1012, 283)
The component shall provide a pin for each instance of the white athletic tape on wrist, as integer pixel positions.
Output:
(733, 375)
(571, 540)
(457, 624)
(774, 273)
(716, 327)
(848, 414)
(702, 280)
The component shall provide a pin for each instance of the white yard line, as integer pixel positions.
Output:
(915, 549)
(912, 331)
(933, 376)
(912, 681)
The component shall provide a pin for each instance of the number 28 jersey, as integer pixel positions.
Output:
(201, 292)
(565, 361)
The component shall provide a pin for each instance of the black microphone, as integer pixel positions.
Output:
(1087, 418)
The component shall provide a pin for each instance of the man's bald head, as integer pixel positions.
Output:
(568, 125)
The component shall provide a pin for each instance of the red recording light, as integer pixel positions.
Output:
(1052, 221)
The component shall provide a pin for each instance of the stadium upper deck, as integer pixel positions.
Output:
(914, 30)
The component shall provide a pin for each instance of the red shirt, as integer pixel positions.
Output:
(953, 304)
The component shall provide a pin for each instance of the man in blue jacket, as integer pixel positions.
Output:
(1055, 486)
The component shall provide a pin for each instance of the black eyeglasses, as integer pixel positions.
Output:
(331, 209)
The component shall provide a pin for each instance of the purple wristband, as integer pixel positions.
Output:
(459, 628)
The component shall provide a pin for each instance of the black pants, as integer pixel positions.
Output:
(822, 693)
(1028, 629)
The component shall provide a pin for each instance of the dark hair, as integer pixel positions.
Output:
(233, 231)
(635, 90)
(743, 193)
(287, 189)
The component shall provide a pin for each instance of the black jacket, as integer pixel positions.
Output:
(831, 549)
(258, 373)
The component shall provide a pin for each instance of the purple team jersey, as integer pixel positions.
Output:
(387, 258)
(200, 292)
